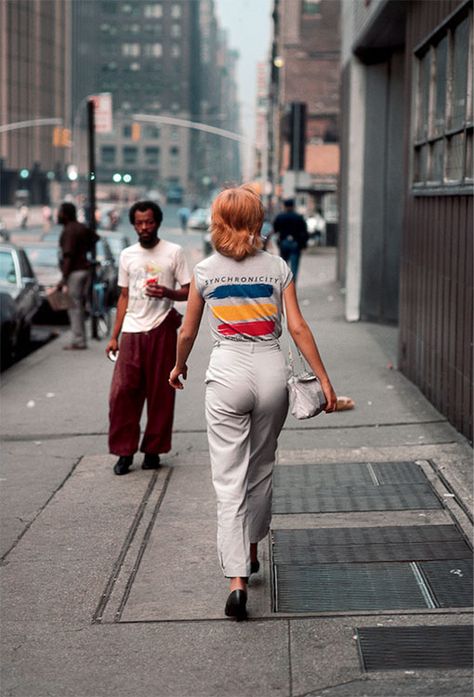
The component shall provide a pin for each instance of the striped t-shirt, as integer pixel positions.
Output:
(244, 298)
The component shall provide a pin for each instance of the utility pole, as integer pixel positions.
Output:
(92, 205)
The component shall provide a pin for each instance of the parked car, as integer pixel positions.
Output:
(175, 194)
(44, 258)
(19, 302)
(200, 219)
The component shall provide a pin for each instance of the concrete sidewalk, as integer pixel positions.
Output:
(110, 585)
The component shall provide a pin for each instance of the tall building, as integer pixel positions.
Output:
(154, 58)
(34, 85)
(304, 95)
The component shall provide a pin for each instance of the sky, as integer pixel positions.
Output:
(249, 27)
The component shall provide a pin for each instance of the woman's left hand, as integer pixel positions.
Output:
(331, 397)
(174, 380)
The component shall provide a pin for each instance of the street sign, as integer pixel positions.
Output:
(103, 112)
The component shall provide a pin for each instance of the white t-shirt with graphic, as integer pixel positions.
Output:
(244, 298)
(166, 264)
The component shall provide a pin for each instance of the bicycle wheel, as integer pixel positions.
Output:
(103, 325)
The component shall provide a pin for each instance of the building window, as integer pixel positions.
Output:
(174, 154)
(175, 50)
(108, 153)
(127, 131)
(176, 11)
(130, 155)
(151, 131)
(153, 10)
(176, 31)
(443, 128)
(155, 50)
(311, 8)
(152, 155)
(130, 49)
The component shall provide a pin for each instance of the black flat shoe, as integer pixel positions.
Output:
(254, 567)
(150, 462)
(123, 464)
(236, 605)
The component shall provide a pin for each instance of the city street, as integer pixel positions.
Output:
(111, 585)
(192, 241)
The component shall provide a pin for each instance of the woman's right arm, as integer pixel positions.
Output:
(304, 339)
(122, 304)
(187, 336)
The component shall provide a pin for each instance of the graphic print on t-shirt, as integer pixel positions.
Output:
(140, 276)
(254, 316)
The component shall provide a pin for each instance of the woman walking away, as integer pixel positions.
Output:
(246, 381)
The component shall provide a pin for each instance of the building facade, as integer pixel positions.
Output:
(406, 231)
(156, 59)
(305, 71)
(34, 85)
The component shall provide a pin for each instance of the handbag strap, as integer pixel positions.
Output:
(290, 342)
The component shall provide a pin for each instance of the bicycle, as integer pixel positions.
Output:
(100, 311)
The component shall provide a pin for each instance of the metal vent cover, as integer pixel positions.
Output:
(398, 648)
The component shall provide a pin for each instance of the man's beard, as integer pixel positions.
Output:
(148, 243)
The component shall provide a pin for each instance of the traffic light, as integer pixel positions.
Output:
(57, 132)
(66, 138)
(61, 137)
(136, 131)
(297, 135)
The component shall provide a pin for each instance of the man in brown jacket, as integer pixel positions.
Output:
(76, 243)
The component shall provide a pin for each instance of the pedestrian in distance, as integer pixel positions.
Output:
(146, 322)
(246, 401)
(23, 215)
(183, 215)
(292, 233)
(76, 244)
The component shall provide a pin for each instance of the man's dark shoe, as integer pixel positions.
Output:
(150, 462)
(123, 464)
(254, 567)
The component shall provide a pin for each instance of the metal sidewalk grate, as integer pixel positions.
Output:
(346, 587)
(398, 648)
(450, 581)
(387, 568)
(404, 543)
(389, 497)
(345, 487)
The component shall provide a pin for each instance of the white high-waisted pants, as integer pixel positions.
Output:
(246, 406)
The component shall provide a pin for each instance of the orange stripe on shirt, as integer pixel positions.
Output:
(234, 313)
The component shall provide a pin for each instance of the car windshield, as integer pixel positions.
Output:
(42, 256)
(7, 267)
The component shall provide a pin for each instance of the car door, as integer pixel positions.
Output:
(29, 288)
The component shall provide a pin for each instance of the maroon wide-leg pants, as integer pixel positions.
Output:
(142, 370)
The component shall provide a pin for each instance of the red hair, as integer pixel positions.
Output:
(236, 220)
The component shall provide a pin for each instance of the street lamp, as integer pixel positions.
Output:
(117, 177)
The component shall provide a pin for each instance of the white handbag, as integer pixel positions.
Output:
(306, 395)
